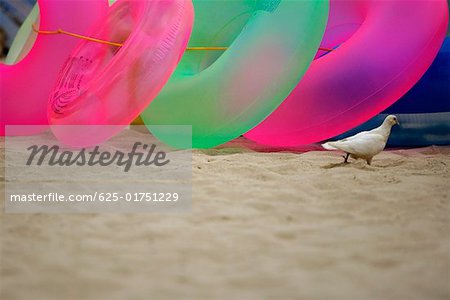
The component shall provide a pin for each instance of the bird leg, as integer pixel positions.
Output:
(346, 158)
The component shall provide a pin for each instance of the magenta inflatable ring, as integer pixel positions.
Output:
(382, 49)
(26, 86)
(103, 84)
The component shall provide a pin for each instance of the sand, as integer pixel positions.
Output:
(264, 225)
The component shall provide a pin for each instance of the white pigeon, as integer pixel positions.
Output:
(365, 145)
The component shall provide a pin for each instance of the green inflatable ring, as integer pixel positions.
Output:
(24, 40)
(223, 94)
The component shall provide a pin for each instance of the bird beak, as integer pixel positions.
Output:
(398, 123)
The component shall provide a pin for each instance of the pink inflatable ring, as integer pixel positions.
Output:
(26, 86)
(382, 49)
(102, 84)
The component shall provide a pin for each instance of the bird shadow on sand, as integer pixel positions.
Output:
(389, 163)
(363, 166)
(336, 165)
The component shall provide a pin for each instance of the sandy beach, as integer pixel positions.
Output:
(265, 224)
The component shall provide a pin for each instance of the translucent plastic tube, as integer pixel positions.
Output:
(102, 84)
(424, 112)
(26, 86)
(382, 49)
(224, 94)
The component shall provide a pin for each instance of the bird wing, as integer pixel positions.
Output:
(330, 145)
(367, 144)
(361, 134)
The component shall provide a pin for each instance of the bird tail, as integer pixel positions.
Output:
(329, 146)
